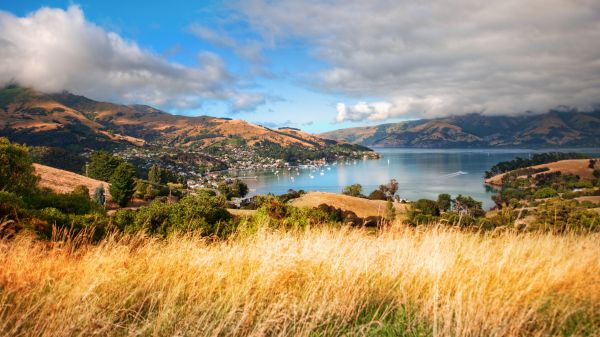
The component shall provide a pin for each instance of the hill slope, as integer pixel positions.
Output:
(578, 167)
(62, 181)
(79, 124)
(552, 129)
(40, 117)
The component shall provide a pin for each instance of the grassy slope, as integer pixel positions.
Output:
(322, 282)
(362, 207)
(573, 166)
(64, 181)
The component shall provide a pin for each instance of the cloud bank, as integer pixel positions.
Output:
(435, 58)
(54, 50)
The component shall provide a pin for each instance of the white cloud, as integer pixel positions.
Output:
(434, 58)
(249, 50)
(55, 49)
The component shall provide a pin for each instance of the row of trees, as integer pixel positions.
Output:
(383, 192)
(114, 170)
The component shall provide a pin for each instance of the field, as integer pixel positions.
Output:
(317, 282)
(362, 207)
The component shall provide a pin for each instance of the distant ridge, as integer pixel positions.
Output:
(76, 122)
(564, 128)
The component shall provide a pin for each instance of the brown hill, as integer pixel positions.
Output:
(64, 181)
(362, 207)
(557, 128)
(573, 166)
(65, 119)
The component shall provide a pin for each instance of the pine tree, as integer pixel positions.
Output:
(122, 183)
(102, 165)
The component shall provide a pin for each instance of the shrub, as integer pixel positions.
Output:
(11, 205)
(198, 212)
(545, 192)
(16, 169)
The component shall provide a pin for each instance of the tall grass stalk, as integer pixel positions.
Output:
(316, 282)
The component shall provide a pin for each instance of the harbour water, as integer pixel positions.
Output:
(421, 173)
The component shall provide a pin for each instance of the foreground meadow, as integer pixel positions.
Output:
(315, 282)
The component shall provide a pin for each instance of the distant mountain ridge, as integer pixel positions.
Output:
(556, 128)
(72, 121)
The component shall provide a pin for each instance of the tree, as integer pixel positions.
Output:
(392, 187)
(390, 211)
(102, 165)
(427, 207)
(155, 175)
(122, 183)
(354, 190)
(235, 189)
(444, 202)
(16, 168)
(99, 195)
(468, 205)
(377, 195)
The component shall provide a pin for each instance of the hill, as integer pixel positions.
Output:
(362, 207)
(62, 181)
(557, 128)
(80, 124)
(578, 167)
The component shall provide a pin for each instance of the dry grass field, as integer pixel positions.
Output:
(318, 282)
(572, 166)
(64, 181)
(362, 207)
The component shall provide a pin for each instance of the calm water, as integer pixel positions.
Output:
(421, 173)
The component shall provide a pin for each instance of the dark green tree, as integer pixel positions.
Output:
(234, 189)
(427, 207)
(102, 165)
(354, 190)
(378, 195)
(444, 202)
(155, 175)
(122, 184)
(16, 169)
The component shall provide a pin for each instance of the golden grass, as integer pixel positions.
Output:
(319, 282)
(62, 181)
(577, 167)
(361, 206)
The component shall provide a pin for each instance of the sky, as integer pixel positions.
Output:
(314, 65)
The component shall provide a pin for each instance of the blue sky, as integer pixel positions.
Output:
(316, 65)
(165, 30)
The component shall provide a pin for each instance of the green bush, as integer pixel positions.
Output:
(192, 213)
(545, 192)
(16, 169)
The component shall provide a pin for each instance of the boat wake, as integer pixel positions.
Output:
(455, 174)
